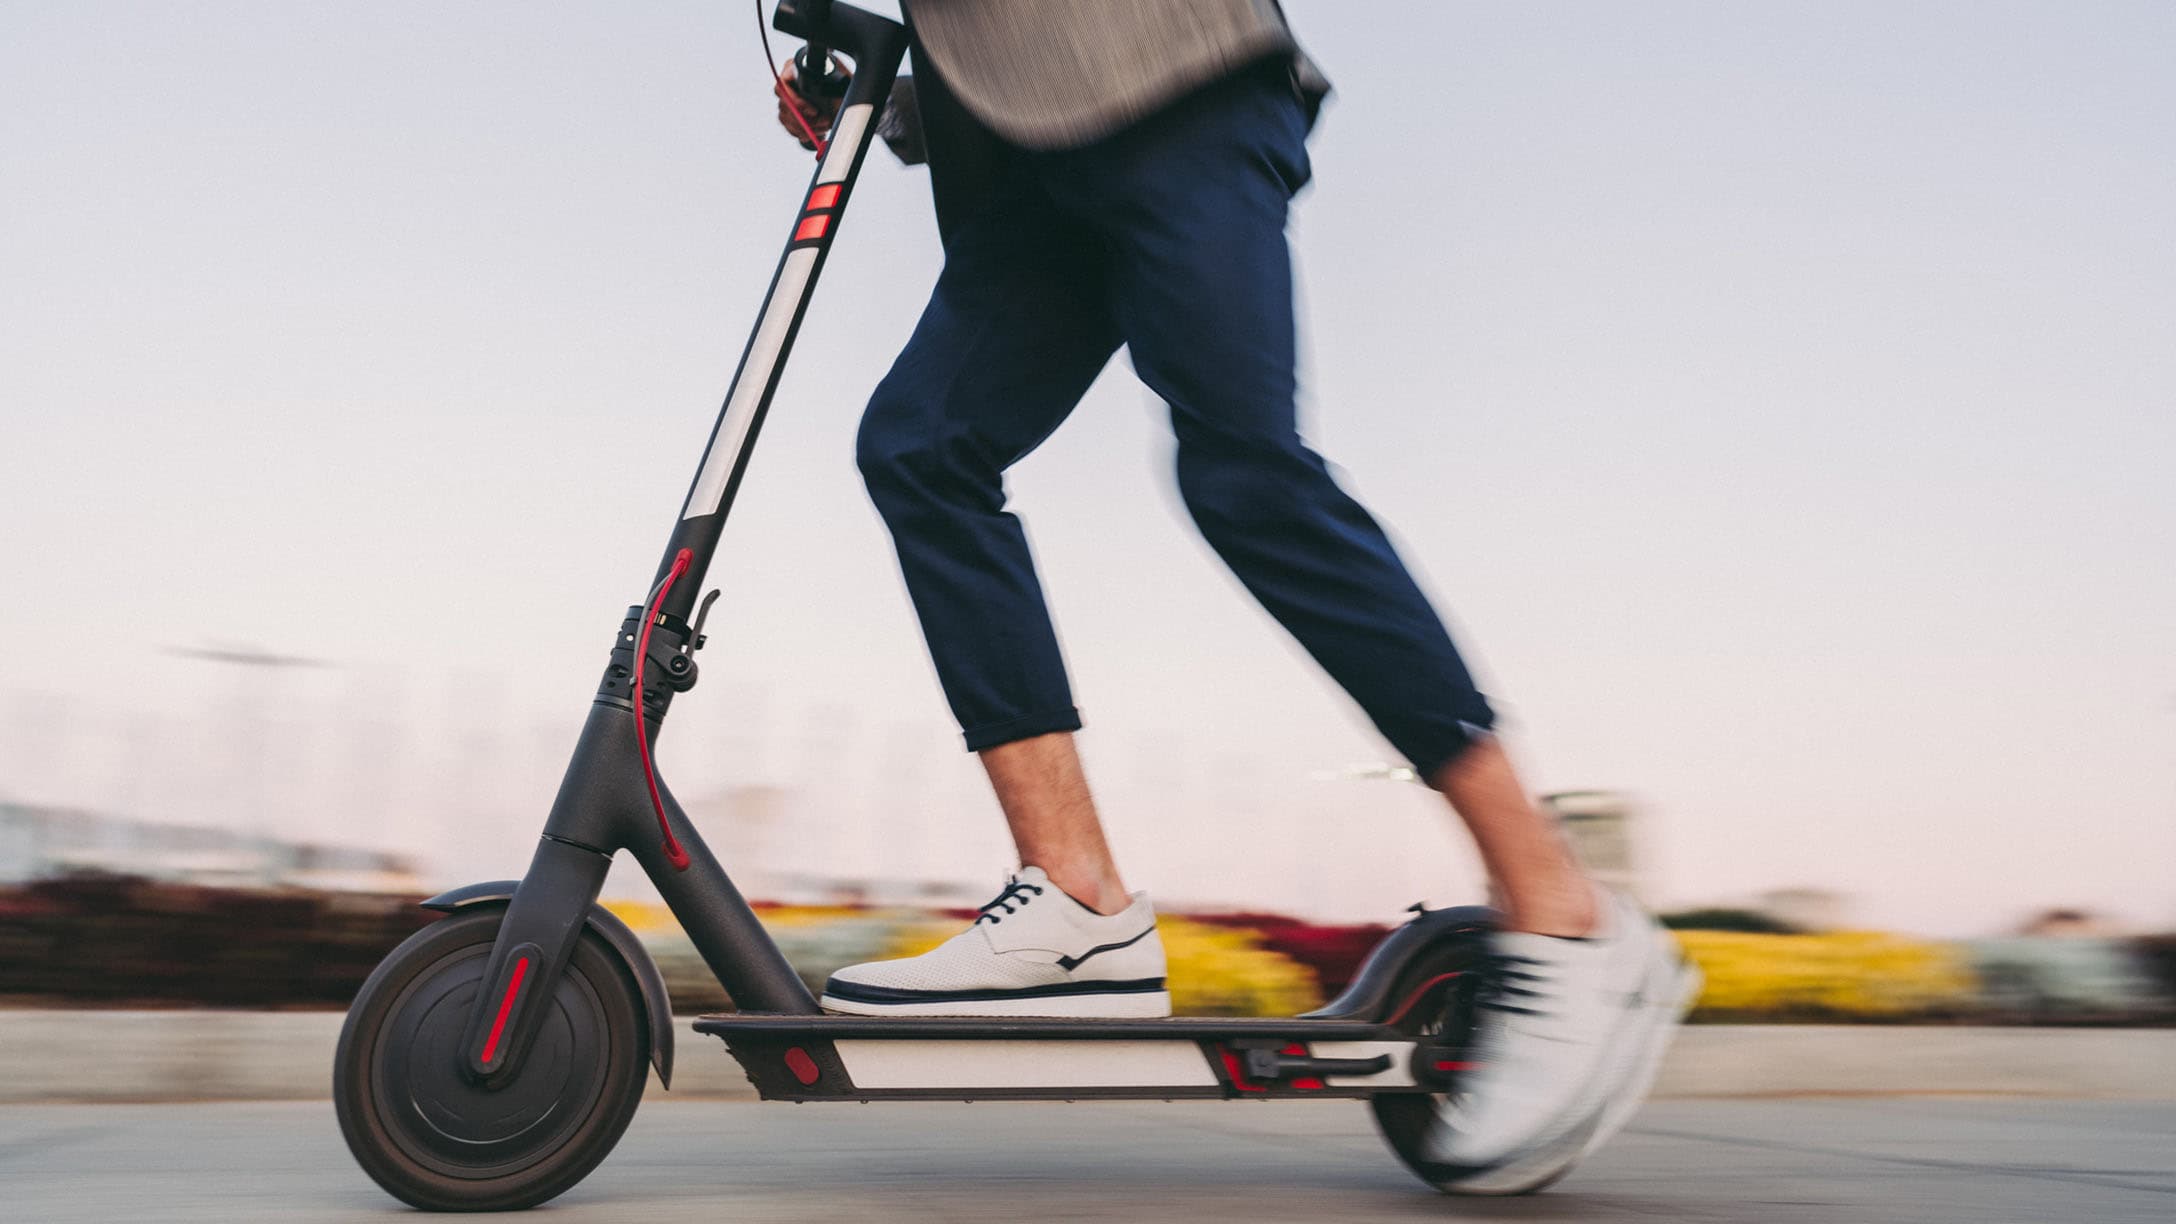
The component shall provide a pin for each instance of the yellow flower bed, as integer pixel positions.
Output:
(1214, 970)
(1225, 971)
(643, 917)
(1852, 975)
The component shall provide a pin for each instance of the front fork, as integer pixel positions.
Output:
(537, 937)
(603, 807)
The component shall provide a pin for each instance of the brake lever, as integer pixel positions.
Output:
(695, 631)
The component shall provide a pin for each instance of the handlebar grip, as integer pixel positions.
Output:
(812, 64)
(813, 76)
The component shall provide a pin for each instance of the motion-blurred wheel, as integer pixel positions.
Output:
(437, 1139)
(1446, 984)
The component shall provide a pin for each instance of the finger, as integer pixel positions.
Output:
(787, 94)
(819, 124)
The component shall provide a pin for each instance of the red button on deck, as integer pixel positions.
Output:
(802, 1066)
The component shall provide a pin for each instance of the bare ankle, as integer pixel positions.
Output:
(1044, 794)
(1102, 892)
(1575, 915)
(1539, 884)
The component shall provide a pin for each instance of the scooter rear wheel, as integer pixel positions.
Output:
(1408, 1120)
(436, 1139)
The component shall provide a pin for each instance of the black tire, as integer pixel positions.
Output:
(1407, 1118)
(434, 1139)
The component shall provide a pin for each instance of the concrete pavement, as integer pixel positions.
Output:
(1876, 1160)
(138, 1056)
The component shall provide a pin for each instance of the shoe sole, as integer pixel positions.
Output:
(1528, 1172)
(1133, 1005)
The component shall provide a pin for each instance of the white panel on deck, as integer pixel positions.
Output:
(1026, 1064)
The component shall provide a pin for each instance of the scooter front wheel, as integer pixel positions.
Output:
(437, 1139)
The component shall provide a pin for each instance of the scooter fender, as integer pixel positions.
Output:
(655, 1002)
(1371, 997)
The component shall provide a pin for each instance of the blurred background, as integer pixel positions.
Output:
(1779, 400)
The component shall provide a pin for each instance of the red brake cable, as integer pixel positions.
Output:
(673, 853)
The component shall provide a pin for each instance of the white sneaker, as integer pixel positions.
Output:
(1567, 1025)
(1034, 951)
(1622, 1096)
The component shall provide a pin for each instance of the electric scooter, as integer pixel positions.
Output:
(494, 1058)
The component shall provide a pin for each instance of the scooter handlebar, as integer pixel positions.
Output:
(863, 37)
(813, 76)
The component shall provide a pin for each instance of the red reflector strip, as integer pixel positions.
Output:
(1239, 1078)
(825, 196)
(813, 227)
(802, 1066)
(506, 1006)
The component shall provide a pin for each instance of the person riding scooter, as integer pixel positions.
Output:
(1119, 174)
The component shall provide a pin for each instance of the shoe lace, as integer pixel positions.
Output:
(1510, 983)
(1015, 890)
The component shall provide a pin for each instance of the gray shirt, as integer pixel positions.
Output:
(1047, 74)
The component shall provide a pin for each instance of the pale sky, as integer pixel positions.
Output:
(1779, 399)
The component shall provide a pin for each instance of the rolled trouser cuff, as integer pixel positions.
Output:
(1027, 726)
(1428, 756)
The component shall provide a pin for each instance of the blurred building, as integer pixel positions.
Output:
(2071, 924)
(1805, 909)
(758, 834)
(38, 841)
(1600, 825)
(741, 825)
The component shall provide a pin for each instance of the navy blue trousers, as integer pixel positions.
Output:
(1167, 238)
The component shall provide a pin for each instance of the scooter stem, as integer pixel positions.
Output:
(876, 46)
(604, 802)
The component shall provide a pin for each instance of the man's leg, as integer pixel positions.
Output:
(1540, 885)
(1016, 329)
(1195, 204)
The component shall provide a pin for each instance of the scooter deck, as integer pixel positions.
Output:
(975, 1058)
(731, 1025)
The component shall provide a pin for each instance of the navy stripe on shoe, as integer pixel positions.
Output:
(1070, 963)
(860, 993)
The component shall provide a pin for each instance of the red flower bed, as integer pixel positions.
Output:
(124, 942)
(1334, 953)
